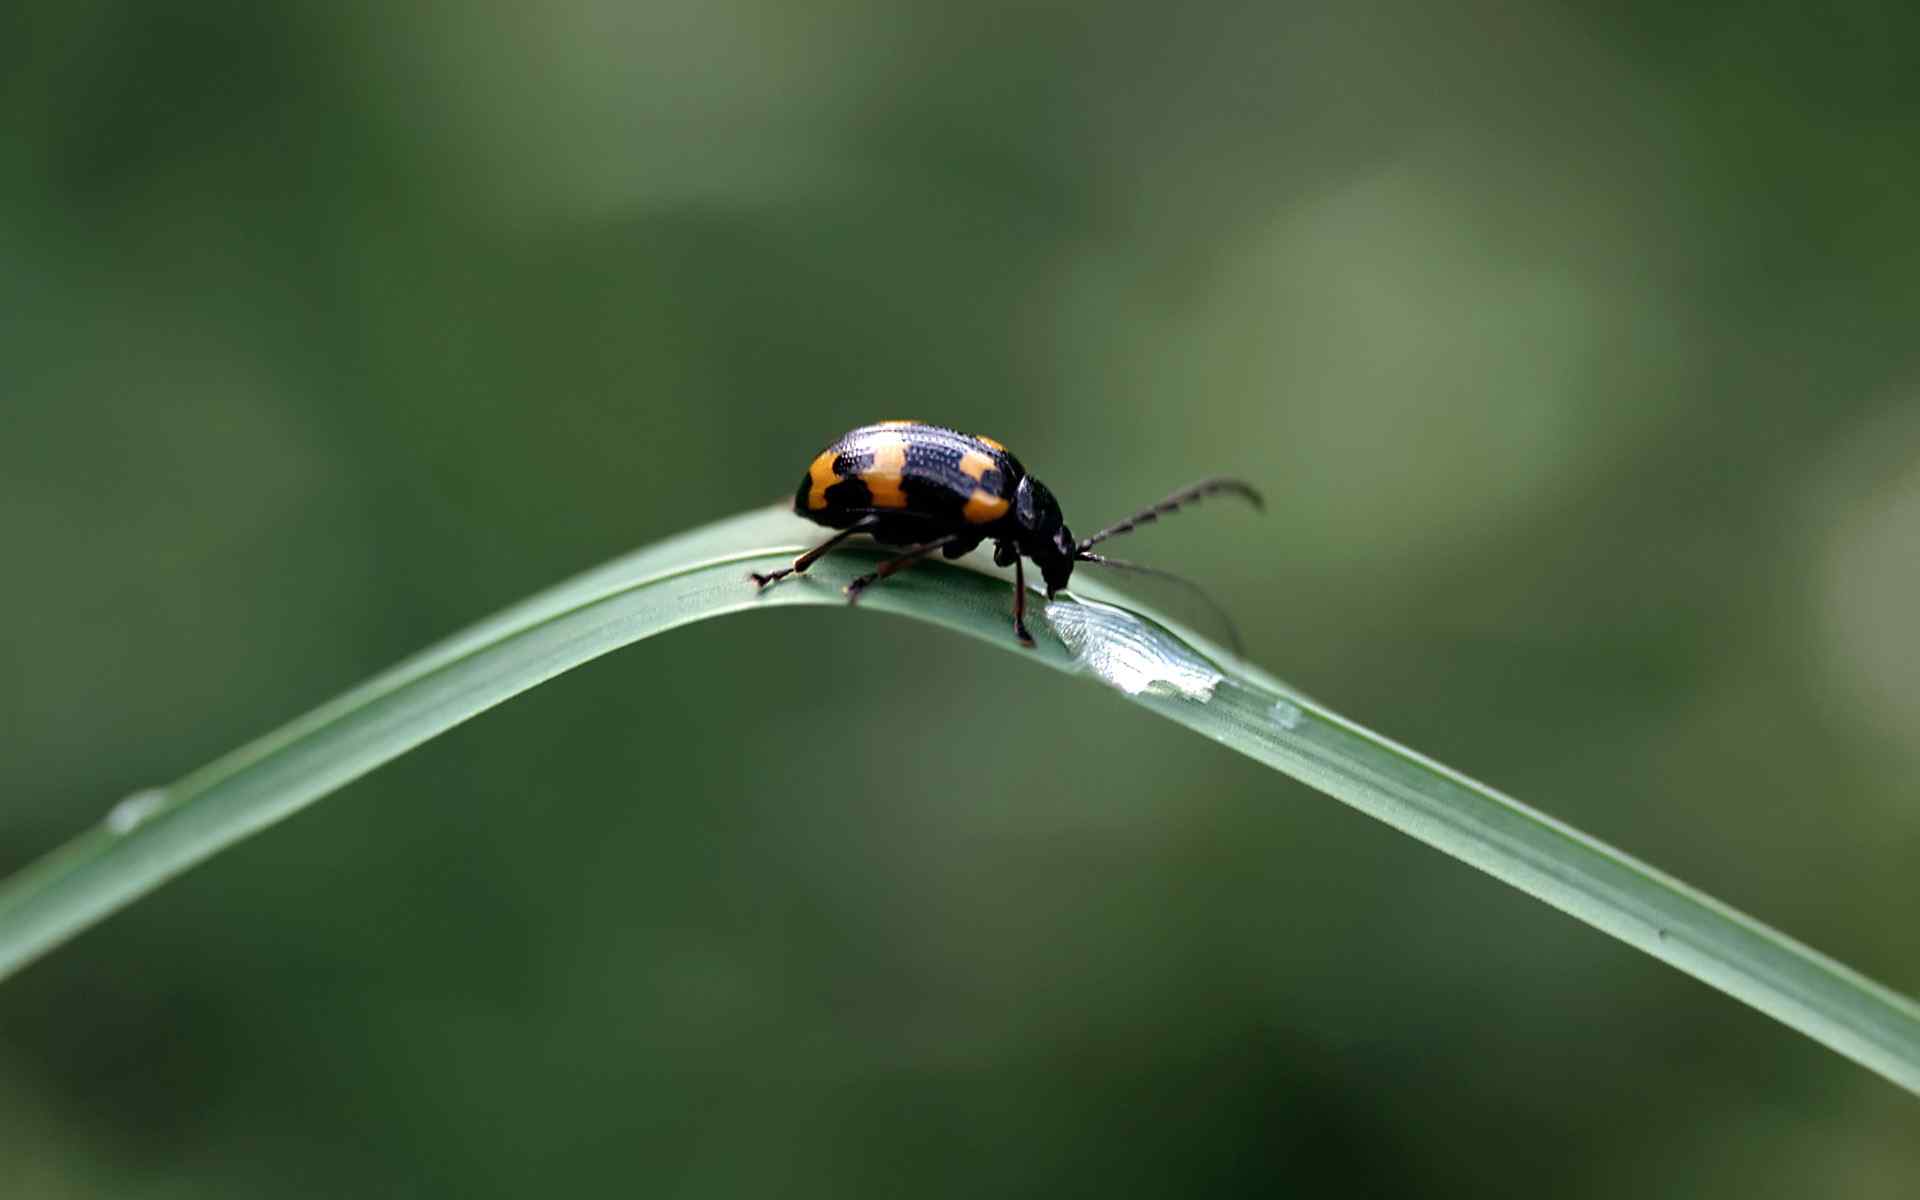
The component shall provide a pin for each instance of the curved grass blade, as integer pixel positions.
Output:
(155, 835)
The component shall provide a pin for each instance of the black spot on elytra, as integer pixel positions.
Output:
(852, 462)
(849, 493)
(931, 495)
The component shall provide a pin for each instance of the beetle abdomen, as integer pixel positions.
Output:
(907, 473)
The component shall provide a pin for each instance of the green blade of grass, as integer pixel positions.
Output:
(154, 835)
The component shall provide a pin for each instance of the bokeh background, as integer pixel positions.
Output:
(1576, 351)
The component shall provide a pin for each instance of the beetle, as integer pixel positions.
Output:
(926, 487)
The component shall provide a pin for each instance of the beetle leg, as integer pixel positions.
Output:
(894, 564)
(1020, 603)
(806, 560)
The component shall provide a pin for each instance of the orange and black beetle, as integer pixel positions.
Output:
(927, 488)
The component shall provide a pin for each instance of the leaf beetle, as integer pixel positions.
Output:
(925, 487)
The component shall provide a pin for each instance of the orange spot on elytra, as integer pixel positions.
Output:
(822, 475)
(984, 440)
(976, 464)
(883, 477)
(982, 508)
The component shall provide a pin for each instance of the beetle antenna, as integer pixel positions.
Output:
(1186, 495)
(1233, 631)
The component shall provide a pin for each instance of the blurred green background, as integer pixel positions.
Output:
(1575, 352)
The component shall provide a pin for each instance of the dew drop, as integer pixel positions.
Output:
(1129, 653)
(133, 812)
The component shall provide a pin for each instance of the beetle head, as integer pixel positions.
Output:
(1043, 533)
